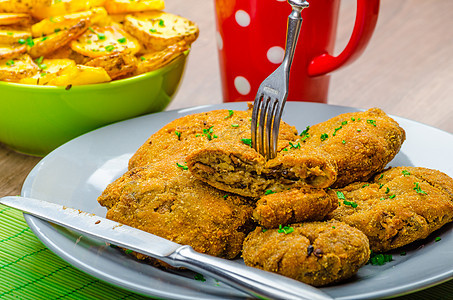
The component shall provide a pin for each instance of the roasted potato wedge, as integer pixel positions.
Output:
(17, 6)
(155, 60)
(49, 69)
(157, 30)
(43, 46)
(100, 41)
(96, 16)
(45, 9)
(117, 64)
(8, 50)
(126, 6)
(12, 36)
(80, 75)
(14, 18)
(17, 68)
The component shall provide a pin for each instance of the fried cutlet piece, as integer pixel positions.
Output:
(316, 253)
(294, 206)
(398, 206)
(190, 133)
(360, 143)
(344, 149)
(165, 200)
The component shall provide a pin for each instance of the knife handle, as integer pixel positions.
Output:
(256, 282)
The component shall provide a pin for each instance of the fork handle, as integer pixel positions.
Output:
(292, 33)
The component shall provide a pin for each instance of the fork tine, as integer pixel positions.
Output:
(277, 113)
(256, 108)
(270, 153)
(262, 121)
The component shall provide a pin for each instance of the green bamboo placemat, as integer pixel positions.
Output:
(29, 270)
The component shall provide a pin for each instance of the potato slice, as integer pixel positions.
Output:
(80, 75)
(17, 68)
(97, 16)
(11, 36)
(125, 6)
(100, 41)
(155, 60)
(117, 64)
(9, 51)
(17, 6)
(45, 9)
(49, 69)
(157, 30)
(43, 46)
(12, 18)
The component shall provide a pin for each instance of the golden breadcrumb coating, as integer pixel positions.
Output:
(316, 253)
(294, 206)
(398, 206)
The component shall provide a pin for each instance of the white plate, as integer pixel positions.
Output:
(76, 174)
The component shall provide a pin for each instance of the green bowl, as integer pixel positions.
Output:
(37, 119)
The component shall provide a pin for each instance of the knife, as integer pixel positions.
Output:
(255, 282)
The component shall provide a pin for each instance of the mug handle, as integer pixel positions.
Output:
(366, 18)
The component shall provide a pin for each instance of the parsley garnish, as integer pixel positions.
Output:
(182, 166)
(199, 277)
(340, 195)
(208, 133)
(161, 23)
(418, 189)
(122, 40)
(142, 58)
(387, 190)
(247, 141)
(350, 203)
(335, 131)
(305, 132)
(392, 196)
(406, 173)
(285, 229)
(437, 239)
(268, 192)
(324, 136)
(234, 125)
(109, 48)
(365, 185)
(10, 63)
(344, 122)
(343, 141)
(372, 122)
(379, 259)
(230, 113)
(294, 146)
(101, 36)
(152, 30)
(91, 29)
(358, 130)
(178, 134)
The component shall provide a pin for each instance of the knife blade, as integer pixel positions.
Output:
(255, 282)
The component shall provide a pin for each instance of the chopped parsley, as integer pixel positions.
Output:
(340, 195)
(230, 113)
(161, 23)
(344, 122)
(178, 134)
(379, 259)
(352, 119)
(109, 48)
(285, 229)
(152, 30)
(142, 58)
(392, 196)
(418, 189)
(10, 63)
(372, 122)
(209, 133)
(263, 229)
(91, 29)
(324, 136)
(350, 203)
(294, 146)
(305, 132)
(365, 185)
(247, 141)
(122, 40)
(101, 36)
(358, 130)
(437, 239)
(406, 173)
(380, 177)
(387, 190)
(29, 41)
(268, 192)
(57, 30)
(403, 253)
(234, 125)
(335, 130)
(184, 167)
(343, 141)
(199, 277)
(128, 251)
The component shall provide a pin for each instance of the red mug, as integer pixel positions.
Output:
(251, 36)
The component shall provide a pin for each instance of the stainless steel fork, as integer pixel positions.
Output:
(273, 91)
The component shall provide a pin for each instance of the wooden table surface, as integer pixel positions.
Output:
(407, 69)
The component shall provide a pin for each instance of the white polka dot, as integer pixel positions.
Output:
(242, 85)
(281, 0)
(242, 18)
(275, 54)
(219, 40)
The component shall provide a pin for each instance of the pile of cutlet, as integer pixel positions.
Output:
(313, 213)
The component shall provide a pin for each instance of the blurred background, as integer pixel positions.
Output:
(415, 68)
